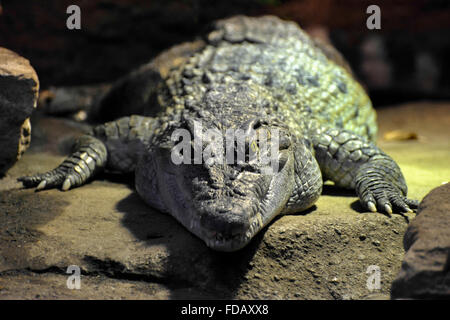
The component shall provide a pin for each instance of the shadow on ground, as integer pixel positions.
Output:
(219, 274)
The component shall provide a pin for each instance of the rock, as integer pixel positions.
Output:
(425, 269)
(19, 86)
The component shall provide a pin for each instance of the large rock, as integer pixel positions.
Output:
(425, 269)
(19, 86)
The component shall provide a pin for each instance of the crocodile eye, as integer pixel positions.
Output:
(257, 124)
(284, 141)
(254, 146)
(251, 150)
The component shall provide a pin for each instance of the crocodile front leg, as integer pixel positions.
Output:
(350, 161)
(115, 146)
(90, 156)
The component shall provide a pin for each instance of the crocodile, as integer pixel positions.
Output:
(252, 74)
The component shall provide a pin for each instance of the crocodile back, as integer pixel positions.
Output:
(278, 62)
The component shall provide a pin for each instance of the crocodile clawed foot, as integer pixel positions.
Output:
(75, 171)
(48, 180)
(384, 197)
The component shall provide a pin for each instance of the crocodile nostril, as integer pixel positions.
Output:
(224, 207)
(227, 220)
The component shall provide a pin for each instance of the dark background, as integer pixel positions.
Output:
(408, 59)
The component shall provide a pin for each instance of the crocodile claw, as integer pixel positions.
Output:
(75, 171)
(391, 203)
(384, 197)
(66, 185)
(371, 206)
(41, 185)
(48, 180)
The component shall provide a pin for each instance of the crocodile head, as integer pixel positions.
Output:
(225, 203)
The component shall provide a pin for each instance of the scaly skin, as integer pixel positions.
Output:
(250, 74)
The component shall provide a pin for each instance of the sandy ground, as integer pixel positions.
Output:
(127, 250)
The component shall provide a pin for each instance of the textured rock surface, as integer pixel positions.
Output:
(19, 88)
(425, 269)
(127, 250)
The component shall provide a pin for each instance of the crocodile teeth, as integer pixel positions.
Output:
(253, 227)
